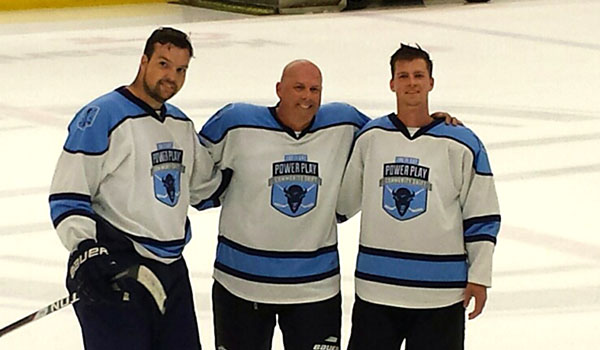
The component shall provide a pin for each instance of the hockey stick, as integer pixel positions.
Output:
(46, 310)
(140, 273)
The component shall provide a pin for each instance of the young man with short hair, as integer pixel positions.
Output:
(429, 220)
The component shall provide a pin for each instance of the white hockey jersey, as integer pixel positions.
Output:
(430, 213)
(277, 230)
(137, 169)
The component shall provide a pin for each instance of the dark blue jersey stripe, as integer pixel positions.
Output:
(277, 265)
(276, 280)
(480, 238)
(417, 270)
(411, 283)
(411, 256)
(277, 254)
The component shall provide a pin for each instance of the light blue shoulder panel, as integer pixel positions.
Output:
(468, 138)
(175, 112)
(235, 115)
(90, 128)
(378, 123)
(337, 113)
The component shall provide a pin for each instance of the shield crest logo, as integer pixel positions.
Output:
(403, 201)
(167, 184)
(294, 185)
(405, 184)
(294, 198)
(166, 173)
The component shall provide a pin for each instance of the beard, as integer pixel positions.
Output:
(155, 92)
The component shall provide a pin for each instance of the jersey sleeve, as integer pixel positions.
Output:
(208, 182)
(350, 195)
(481, 215)
(78, 173)
(212, 138)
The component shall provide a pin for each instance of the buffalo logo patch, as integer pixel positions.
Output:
(294, 185)
(166, 171)
(405, 184)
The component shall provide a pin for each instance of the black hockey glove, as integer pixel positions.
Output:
(91, 273)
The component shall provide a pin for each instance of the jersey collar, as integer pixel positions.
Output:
(143, 105)
(288, 130)
(404, 130)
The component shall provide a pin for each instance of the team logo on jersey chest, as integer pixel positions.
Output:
(166, 172)
(405, 185)
(294, 185)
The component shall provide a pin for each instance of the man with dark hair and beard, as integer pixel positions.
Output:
(130, 168)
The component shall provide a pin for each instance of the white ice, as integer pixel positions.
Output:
(525, 75)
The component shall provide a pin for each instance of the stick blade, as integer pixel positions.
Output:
(149, 280)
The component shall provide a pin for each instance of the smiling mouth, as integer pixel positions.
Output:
(305, 106)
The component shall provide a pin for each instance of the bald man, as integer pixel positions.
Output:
(277, 256)
(299, 93)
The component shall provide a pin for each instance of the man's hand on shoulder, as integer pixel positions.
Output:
(448, 119)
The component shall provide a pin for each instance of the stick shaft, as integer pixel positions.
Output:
(46, 310)
(140, 273)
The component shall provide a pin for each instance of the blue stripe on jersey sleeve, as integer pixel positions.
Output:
(336, 113)
(90, 129)
(277, 268)
(425, 272)
(63, 205)
(466, 137)
(236, 115)
(484, 228)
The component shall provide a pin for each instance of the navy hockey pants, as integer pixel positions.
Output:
(137, 324)
(245, 325)
(382, 327)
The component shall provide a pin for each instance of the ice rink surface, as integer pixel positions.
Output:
(524, 75)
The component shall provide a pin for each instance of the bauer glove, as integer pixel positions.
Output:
(91, 273)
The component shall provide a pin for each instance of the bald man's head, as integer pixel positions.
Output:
(299, 91)
(306, 66)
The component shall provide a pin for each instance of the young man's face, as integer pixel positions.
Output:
(300, 89)
(411, 82)
(163, 74)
